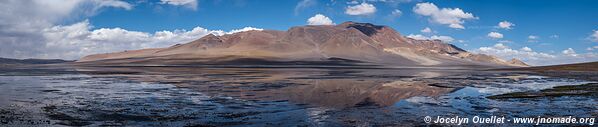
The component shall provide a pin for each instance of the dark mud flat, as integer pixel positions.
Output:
(201, 96)
(585, 90)
(582, 75)
(583, 71)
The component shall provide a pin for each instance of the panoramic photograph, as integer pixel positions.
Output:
(307, 63)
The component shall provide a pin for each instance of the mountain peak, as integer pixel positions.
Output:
(210, 36)
(366, 28)
(347, 23)
(517, 62)
(350, 40)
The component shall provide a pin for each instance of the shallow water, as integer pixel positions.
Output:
(185, 96)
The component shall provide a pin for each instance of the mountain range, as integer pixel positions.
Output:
(9, 61)
(349, 41)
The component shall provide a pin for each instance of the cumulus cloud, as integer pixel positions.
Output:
(426, 30)
(319, 19)
(192, 4)
(495, 35)
(592, 48)
(532, 57)
(76, 40)
(594, 36)
(40, 13)
(500, 46)
(28, 30)
(526, 49)
(453, 17)
(22, 22)
(505, 25)
(446, 39)
(241, 30)
(526, 54)
(361, 9)
(569, 52)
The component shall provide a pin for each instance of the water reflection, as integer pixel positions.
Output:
(195, 96)
(331, 88)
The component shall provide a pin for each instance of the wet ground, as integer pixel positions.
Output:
(203, 96)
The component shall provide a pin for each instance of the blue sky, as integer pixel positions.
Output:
(571, 21)
(549, 28)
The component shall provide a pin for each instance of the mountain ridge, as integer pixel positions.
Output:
(31, 61)
(349, 40)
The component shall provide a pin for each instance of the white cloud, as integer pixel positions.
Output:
(418, 37)
(114, 3)
(504, 41)
(21, 14)
(504, 52)
(527, 49)
(28, 30)
(319, 19)
(396, 13)
(532, 38)
(391, 2)
(505, 25)
(361, 9)
(443, 38)
(353, 2)
(594, 36)
(592, 48)
(500, 46)
(192, 4)
(495, 35)
(22, 22)
(76, 40)
(531, 57)
(554, 36)
(243, 30)
(569, 52)
(304, 4)
(426, 30)
(454, 17)
(446, 39)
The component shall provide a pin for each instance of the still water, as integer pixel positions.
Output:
(202, 96)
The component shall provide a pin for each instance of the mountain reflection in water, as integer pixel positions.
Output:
(317, 87)
(262, 96)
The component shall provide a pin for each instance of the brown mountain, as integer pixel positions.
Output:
(6, 61)
(517, 62)
(575, 67)
(349, 41)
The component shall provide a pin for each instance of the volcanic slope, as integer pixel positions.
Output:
(350, 41)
